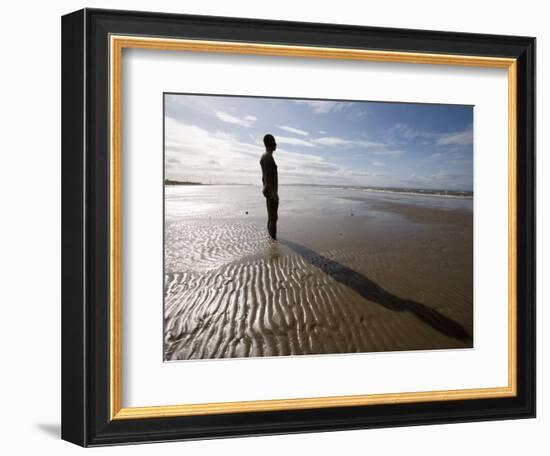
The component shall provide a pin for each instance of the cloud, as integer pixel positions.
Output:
(365, 145)
(293, 141)
(451, 157)
(409, 133)
(245, 121)
(328, 141)
(375, 148)
(389, 152)
(336, 141)
(324, 166)
(367, 174)
(377, 163)
(205, 155)
(199, 155)
(461, 138)
(294, 130)
(442, 175)
(323, 107)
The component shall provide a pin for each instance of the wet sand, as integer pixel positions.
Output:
(395, 275)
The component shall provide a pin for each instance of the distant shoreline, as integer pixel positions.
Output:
(401, 190)
(175, 182)
(464, 194)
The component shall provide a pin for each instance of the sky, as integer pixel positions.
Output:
(219, 139)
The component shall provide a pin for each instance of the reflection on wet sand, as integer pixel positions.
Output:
(395, 277)
(369, 290)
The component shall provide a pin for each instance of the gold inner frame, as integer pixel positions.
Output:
(117, 44)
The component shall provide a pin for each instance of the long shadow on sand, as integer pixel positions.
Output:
(375, 293)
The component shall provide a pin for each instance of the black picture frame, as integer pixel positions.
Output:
(85, 227)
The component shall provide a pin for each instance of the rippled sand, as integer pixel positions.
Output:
(397, 279)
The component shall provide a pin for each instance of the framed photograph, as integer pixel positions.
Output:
(279, 227)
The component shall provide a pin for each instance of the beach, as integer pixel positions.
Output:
(352, 271)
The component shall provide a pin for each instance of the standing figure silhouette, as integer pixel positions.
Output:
(270, 184)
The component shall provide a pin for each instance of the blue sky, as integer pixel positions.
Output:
(218, 139)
